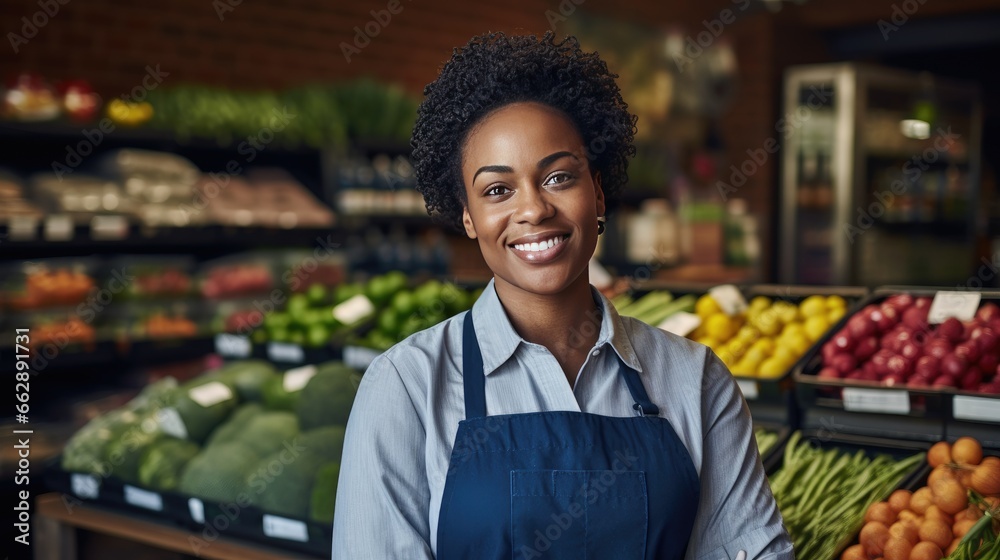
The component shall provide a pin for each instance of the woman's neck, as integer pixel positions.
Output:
(567, 323)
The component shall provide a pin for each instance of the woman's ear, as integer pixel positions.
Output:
(470, 228)
(599, 192)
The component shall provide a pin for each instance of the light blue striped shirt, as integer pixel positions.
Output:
(406, 414)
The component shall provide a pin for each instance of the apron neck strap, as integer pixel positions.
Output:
(474, 378)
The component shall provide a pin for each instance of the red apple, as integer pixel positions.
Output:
(915, 318)
(828, 373)
(869, 376)
(988, 363)
(860, 326)
(879, 361)
(944, 381)
(893, 380)
(986, 339)
(927, 366)
(918, 382)
(988, 312)
(829, 351)
(866, 348)
(900, 301)
(951, 329)
(843, 343)
(953, 365)
(938, 348)
(888, 318)
(970, 379)
(991, 388)
(844, 363)
(898, 365)
(911, 351)
(922, 303)
(968, 350)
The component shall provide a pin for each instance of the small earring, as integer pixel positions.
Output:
(600, 224)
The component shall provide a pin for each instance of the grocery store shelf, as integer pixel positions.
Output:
(937, 228)
(202, 241)
(58, 524)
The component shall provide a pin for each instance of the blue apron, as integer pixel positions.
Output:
(564, 485)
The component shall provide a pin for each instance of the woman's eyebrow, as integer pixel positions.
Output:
(545, 161)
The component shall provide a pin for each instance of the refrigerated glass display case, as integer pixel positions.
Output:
(879, 178)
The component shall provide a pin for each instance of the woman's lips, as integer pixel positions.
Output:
(541, 251)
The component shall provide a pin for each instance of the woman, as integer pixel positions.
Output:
(541, 424)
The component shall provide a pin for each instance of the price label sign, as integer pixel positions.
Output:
(197, 509)
(681, 323)
(750, 389)
(283, 528)
(284, 352)
(232, 346)
(359, 357)
(171, 423)
(143, 498)
(111, 228)
(353, 310)
(58, 227)
(960, 305)
(211, 394)
(729, 298)
(889, 401)
(296, 379)
(85, 485)
(22, 228)
(981, 409)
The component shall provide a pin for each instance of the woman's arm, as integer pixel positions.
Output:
(382, 494)
(737, 510)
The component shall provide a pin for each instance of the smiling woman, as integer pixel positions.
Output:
(541, 424)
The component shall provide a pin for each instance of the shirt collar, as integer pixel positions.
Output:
(498, 340)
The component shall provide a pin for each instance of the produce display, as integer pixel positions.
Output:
(891, 343)
(770, 336)
(655, 307)
(766, 440)
(956, 513)
(164, 324)
(49, 286)
(823, 494)
(214, 436)
(235, 279)
(406, 311)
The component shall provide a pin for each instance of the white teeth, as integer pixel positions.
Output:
(541, 246)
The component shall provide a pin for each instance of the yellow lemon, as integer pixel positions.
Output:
(755, 356)
(816, 326)
(737, 347)
(798, 344)
(835, 314)
(758, 304)
(708, 341)
(784, 354)
(706, 306)
(748, 333)
(812, 306)
(727, 358)
(765, 345)
(719, 327)
(768, 322)
(771, 368)
(787, 313)
(836, 302)
(793, 329)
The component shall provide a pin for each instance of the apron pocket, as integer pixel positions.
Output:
(575, 515)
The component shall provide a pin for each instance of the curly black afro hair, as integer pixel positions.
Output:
(495, 70)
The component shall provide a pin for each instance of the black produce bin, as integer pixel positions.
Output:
(901, 412)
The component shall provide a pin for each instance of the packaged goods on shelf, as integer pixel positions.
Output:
(13, 201)
(161, 186)
(285, 203)
(47, 283)
(80, 196)
(238, 276)
(156, 277)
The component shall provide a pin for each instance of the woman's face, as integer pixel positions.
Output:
(532, 201)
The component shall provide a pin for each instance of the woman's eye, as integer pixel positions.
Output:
(497, 190)
(557, 178)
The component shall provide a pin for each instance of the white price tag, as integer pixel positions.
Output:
(85, 485)
(108, 227)
(171, 423)
(197, 509)
(284, 352)
(750, 389)
(58, 227)
(211, 394)
(960, 305)
(22, 228)
(232, 346)
(354, 309)
(296, 379)
(729, 299)
(359, 357)
(599, 276)
(283, 528)
(681, 323)
(889, 401)
(976, 408)
(143, 498)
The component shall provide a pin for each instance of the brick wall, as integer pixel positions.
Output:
(260, 44)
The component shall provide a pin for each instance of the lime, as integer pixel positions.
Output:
(404, 303)
(277, 321)
(388, 322)
(317, 336)
(297, 336)
(297, 305)
(395, 281)
(317, 294)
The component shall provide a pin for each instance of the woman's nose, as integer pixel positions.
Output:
(533, 206)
